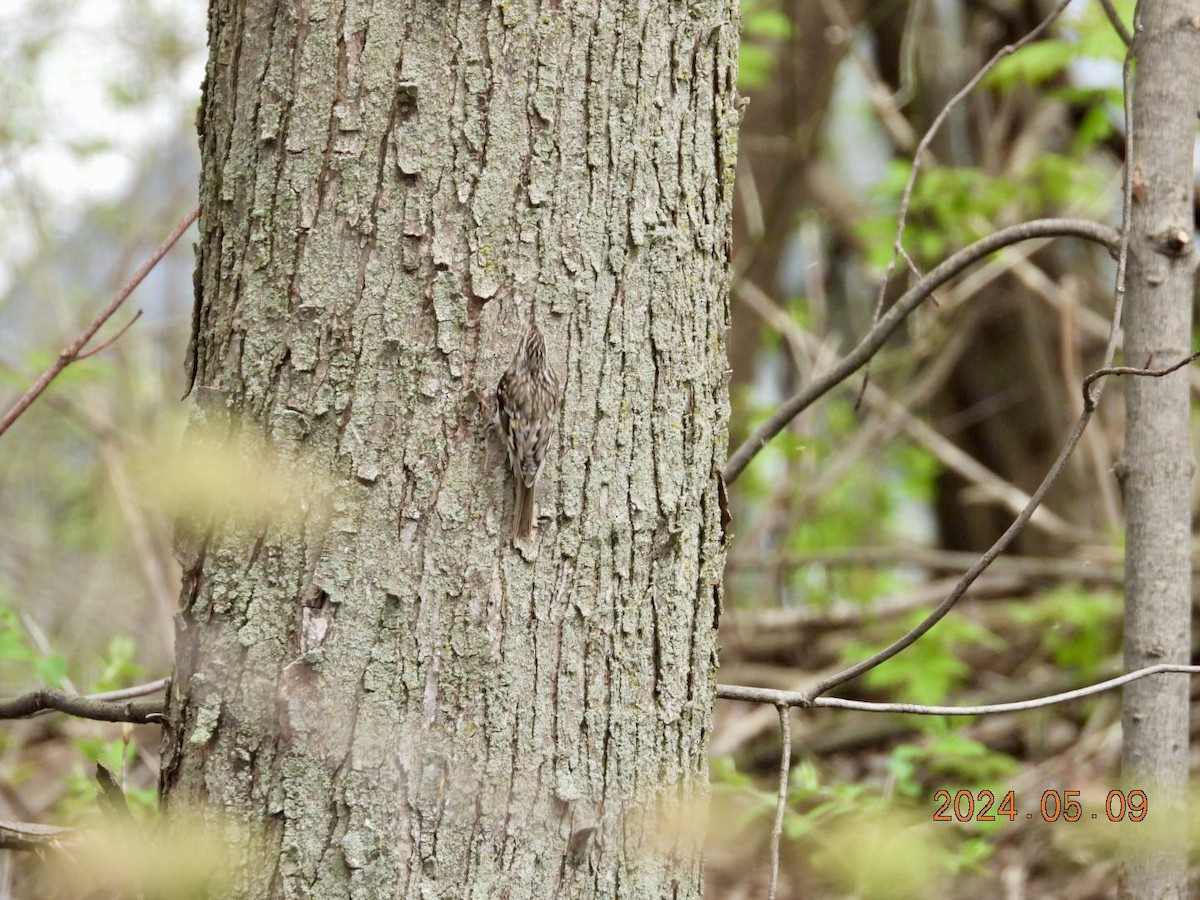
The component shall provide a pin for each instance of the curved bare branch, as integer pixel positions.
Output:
(912, 298)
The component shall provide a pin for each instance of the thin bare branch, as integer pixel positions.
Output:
(895, 415)
(1110, 349)
(900, 310)
(805, 699)
(784, 627)
(1114, 19)
(985, 483)
(884, 103)
(898, 249)
(1004, 540)
(785, 770)
(140, 712)
(1134, 370)
(747, 191)
(105, 344)
(72, 351)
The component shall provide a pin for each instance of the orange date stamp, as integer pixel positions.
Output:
(1055, 806)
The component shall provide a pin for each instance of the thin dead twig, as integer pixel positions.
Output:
(1017, 525)
(785, 770)
(72, 352)
(972, 573)
(129, 693)
(105, 344)
(780, 626)
(804, 699)
(1121, 247)
(1132, 370)
(898, 250)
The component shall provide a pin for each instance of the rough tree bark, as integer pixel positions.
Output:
(1157, 464)
(392, 698)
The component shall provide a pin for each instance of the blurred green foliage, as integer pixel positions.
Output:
(952, 207)
(21, 663)
(118, 756)
(764, 28)
(120, 668)
(947, 757)
(1080, 630)
(931, 669)
(1089, 36)
(866, 504)
(820, 812)
(99, 101)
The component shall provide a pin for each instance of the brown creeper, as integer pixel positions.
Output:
(526, 413)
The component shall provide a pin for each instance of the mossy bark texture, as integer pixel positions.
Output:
(375, 685)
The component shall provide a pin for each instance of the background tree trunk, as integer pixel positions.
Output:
(377, 684)
(1157, 464)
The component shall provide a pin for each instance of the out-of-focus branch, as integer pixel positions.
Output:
(1102, 568)
(1010, 533)
(32, 835)
(75, 350)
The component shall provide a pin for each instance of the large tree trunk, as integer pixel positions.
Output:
(1157, 464)
(377, 684)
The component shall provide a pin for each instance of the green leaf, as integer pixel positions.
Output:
(754, 66)
(804, 777)
(51, 669)
(119, 668)
(1033, 64)
(723, 770)
(1093, 127)
(12, 639)
(767, 23)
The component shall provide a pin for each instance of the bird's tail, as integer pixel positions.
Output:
(522, 509)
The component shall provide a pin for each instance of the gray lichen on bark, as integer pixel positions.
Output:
(396, 701)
